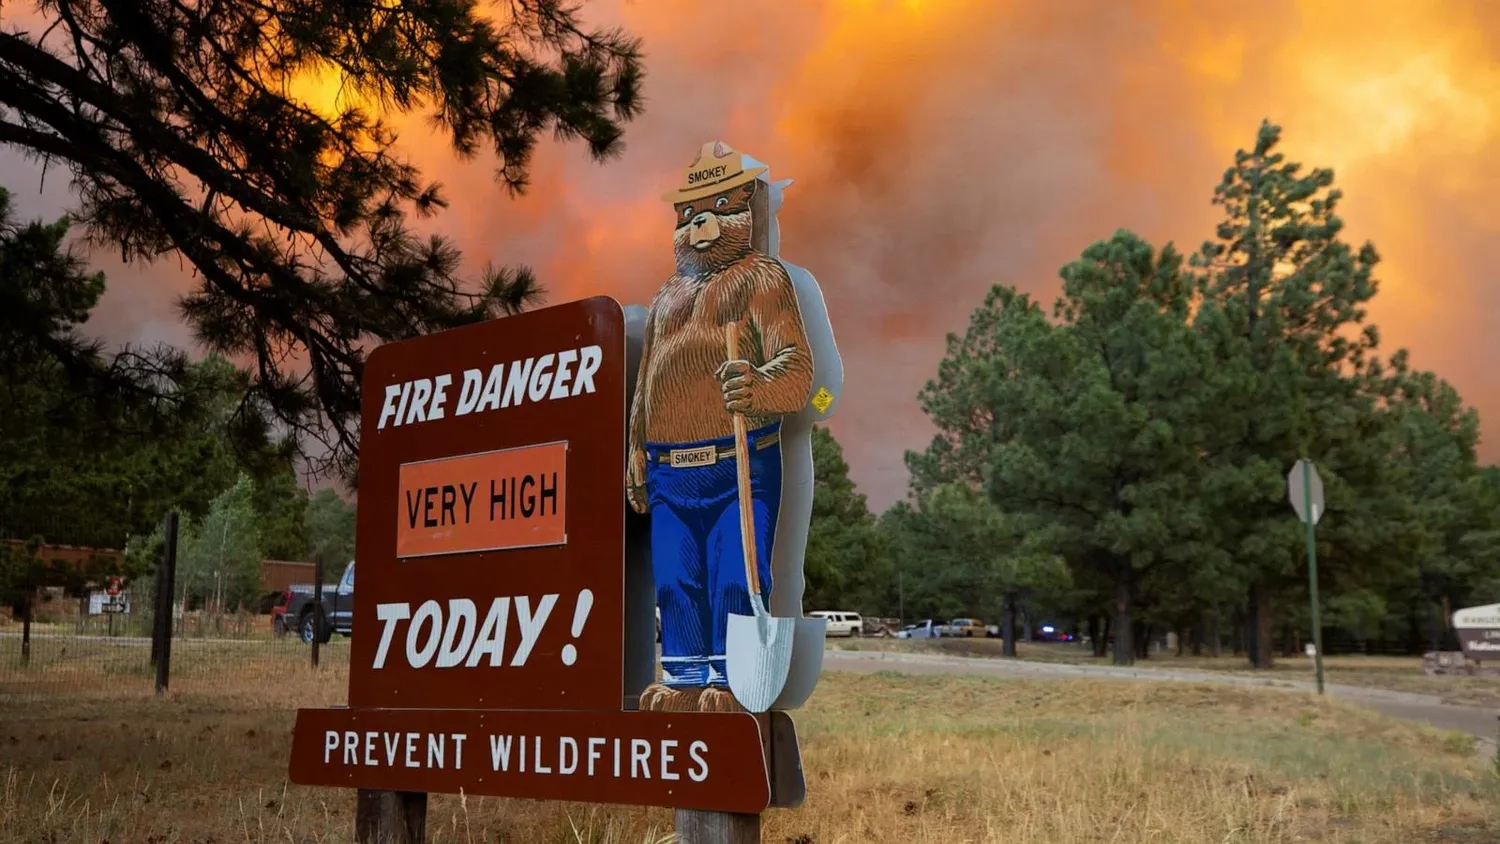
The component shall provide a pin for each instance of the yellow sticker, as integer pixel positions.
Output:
(822, 399)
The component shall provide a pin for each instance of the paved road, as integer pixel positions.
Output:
(1429, 709)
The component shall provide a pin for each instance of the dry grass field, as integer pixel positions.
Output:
(888, 758)
(1396, 673)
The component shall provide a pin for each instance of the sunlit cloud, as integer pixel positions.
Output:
(943, 146)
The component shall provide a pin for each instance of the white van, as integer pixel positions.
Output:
(841, 623)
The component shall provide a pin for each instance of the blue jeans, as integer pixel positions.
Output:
(696, 553)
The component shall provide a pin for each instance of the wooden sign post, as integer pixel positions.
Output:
(492, 656)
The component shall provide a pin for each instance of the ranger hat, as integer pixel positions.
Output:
(715, 168)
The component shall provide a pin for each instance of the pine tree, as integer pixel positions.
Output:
(985, 558)
(845, 565)
(176, 124)
(330, 530)
(1284, 310)
(1089, 428)
(1434, 466)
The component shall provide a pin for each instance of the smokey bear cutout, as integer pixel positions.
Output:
(735, 337)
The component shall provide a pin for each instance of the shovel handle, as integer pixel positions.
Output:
(742, 470)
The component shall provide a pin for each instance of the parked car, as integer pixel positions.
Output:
(927, 628)
(336, 612)
(965, 627)
(841, 623)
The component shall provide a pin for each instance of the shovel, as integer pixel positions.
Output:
(757, 647)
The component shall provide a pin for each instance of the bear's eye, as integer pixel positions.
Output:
(721, 202)
(687, 212)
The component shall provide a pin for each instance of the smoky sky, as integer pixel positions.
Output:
(940, 148)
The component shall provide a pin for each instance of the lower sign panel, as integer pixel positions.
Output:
(684, 760)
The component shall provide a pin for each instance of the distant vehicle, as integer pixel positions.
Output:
(279, 622)
(337, 611)
(965, 627)
(927, 628)
(841, 623)
(1048, 633)
(1045, 633)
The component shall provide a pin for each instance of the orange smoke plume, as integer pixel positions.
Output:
(942, 146)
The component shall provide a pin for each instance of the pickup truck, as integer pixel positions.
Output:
(965, 627)
(302, 612)
(927, 628)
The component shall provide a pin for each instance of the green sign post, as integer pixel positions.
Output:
(1305, 489)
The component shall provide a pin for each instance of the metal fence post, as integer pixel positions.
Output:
(317, 612)
(26, 625)
(165, 585)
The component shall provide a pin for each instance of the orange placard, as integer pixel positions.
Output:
(491, 501)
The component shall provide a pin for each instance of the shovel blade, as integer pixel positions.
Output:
(807, 663)
(757, 656)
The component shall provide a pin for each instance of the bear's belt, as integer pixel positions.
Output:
(708, 455)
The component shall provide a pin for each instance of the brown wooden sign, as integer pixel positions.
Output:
(1478, 630)
(708, 761)
(490, 607)
(491, 526)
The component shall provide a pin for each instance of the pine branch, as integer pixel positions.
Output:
(174, 120)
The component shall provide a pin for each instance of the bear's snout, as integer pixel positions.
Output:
(703, 230)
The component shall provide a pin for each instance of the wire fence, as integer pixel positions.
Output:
(111, 639)
(115, 655)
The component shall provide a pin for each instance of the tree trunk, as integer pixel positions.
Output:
(1142, 639)
(1252, 634)
(1008, 643)
(1450, 639)
(1124, 645)
(1198, 638)
(1261, 623)
(1025, 624)
(1097, 633)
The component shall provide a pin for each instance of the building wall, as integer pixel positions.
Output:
(68, 555)
(278, 575)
